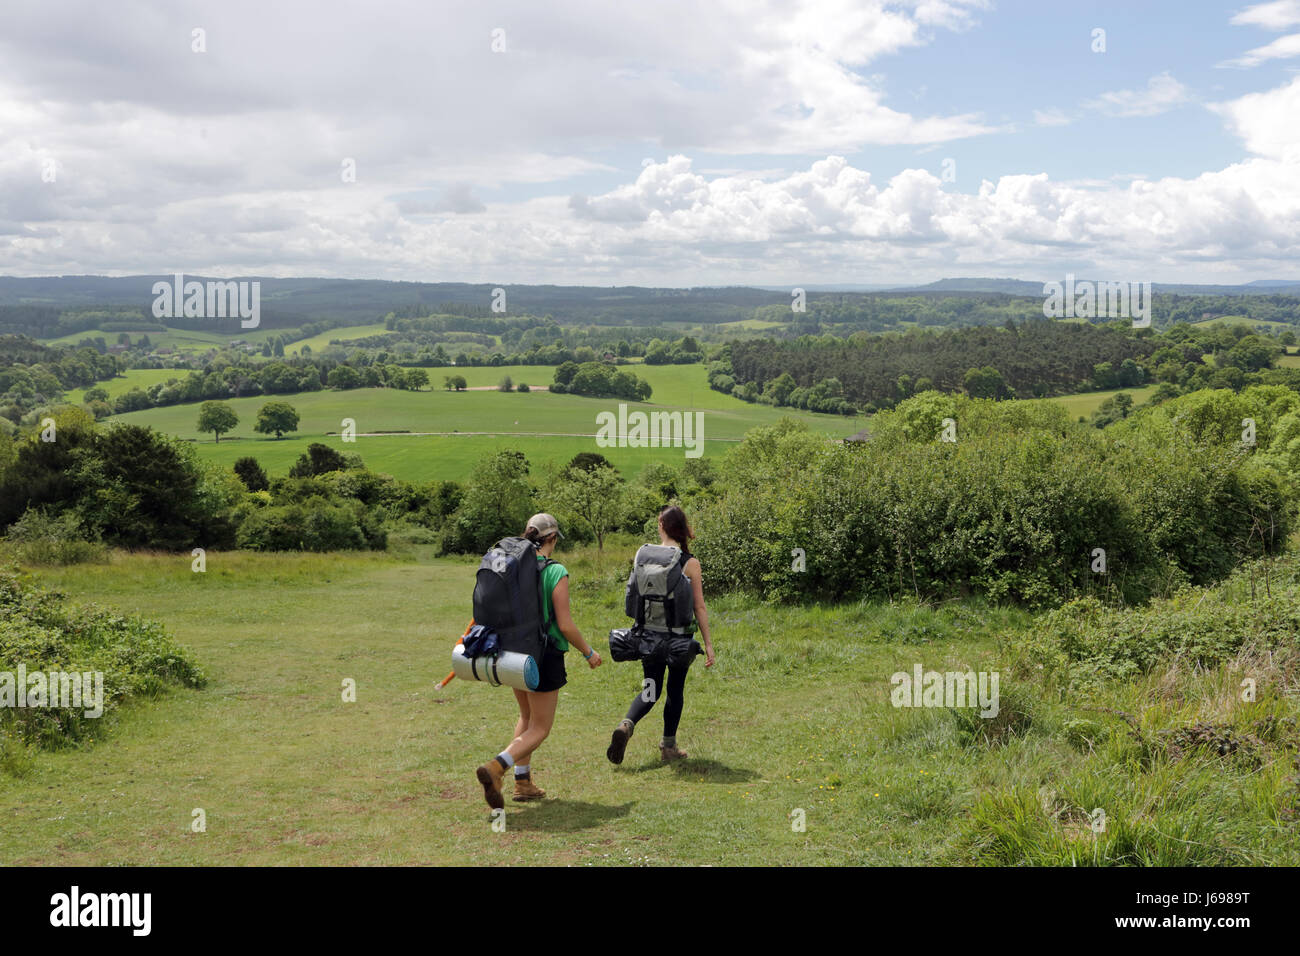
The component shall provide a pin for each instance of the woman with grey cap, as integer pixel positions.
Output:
(537, 707)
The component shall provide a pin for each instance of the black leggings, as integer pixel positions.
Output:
(654, 673)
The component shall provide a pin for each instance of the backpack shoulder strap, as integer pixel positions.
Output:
(541, 594)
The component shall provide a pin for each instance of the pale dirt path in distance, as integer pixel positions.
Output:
(510, 434)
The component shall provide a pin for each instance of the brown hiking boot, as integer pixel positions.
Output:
(618, 740)
(672, 753)
(526, 790)
(490, 775)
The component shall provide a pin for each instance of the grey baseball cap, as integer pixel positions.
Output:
(545, 524)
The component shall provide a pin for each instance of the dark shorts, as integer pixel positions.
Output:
(551, 668)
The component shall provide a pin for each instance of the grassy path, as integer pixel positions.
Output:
(287, 773)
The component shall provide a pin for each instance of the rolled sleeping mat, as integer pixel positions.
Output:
(510, 668)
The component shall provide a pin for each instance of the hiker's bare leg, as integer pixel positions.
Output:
(541, 709)
(521, 697)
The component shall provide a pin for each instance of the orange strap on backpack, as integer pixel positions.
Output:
(447, 680)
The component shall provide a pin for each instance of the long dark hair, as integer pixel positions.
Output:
(676, 527)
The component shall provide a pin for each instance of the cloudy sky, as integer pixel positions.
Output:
(760, 142)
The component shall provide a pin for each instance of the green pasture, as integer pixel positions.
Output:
(344, 334)
(546, 427)
(135, 378)
(1085, 403)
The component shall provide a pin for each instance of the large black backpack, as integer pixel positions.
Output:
(659, 595)
(508, 596)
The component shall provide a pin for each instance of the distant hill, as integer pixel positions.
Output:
(1027, 288)
(290, 302)
(49, 306)
(1006, 286)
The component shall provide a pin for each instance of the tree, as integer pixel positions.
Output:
(319, 460)
(140, 489)
(595, 495)
(564, 374)
(343, 376)
(277, 417)
(986, 382)
(218, 418)
(587, 460)
(496, 504)
(506, 384)
(779, 388)
(251, 474)
(416, 379)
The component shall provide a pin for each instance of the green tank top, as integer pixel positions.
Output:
(552, 574)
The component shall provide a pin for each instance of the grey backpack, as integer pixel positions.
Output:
(659, 595)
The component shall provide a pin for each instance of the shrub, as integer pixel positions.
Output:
(316, 524)
(44, 536)
(39, 631)
(1015, 509)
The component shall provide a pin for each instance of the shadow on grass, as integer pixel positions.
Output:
(699, 769)
(559, 816)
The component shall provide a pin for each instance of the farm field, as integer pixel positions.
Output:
(1085, 403)
(441, 457)
(136, 378)
(345, 333)
(1244, 320)
(551, 428)
(182, 340)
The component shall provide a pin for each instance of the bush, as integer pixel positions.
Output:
(1084, 643)
(317, 524)
(135, 656)
(43, 536)
(1015, 509)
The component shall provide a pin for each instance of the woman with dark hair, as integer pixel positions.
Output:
(537, 707)
(674, 532)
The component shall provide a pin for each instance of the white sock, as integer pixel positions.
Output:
(521, 769)
(505, 759)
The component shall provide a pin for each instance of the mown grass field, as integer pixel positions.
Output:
(344, 334)
(1085, 403)
(182, 340)
(137, 378)
(1245, 320)
(549, 429)
(795, 716)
